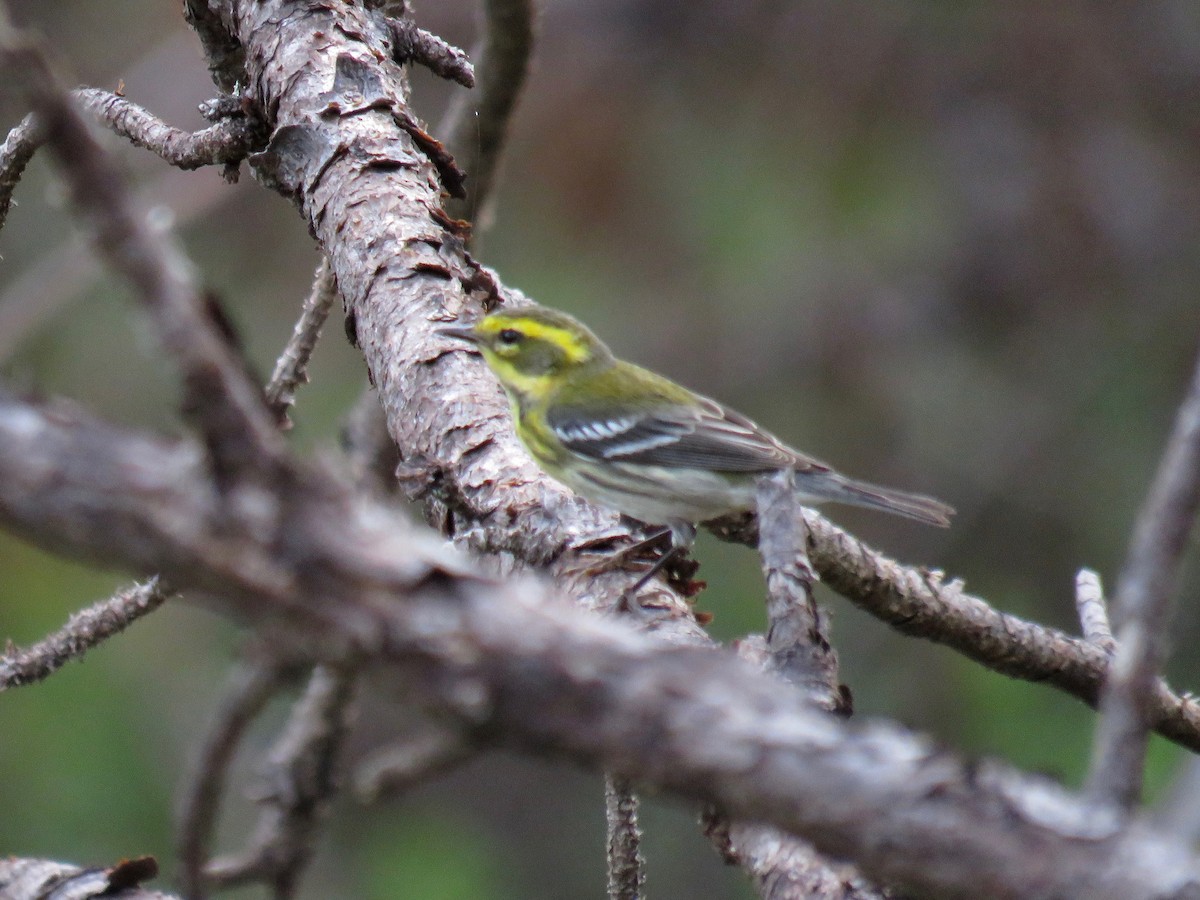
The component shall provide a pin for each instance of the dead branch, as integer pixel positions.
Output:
(15, 153)
(35, 879)
(83, 631)
(1143, 607)
(479, 124)
(251, 686)
(220, 397)
(921, 603)
(535, 674)
(413, 44)
(626, 865)
(301, 777)
(227, 142)
(291, 369)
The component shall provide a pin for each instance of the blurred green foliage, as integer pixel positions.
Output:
(949, 247)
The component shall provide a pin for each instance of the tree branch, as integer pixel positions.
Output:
(291, 369)
(921, 603)
(302, 774)
(220, 396)
(504, 64)
(252, 685)
(626, 865)
(83, 631)
(514, 664)
(227, 142)
(1143, 607)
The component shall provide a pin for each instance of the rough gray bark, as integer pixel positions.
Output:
(337, 575)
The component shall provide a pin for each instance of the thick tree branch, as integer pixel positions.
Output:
(1143, 609)
(344, 150)
(539, 675)
(83, 631)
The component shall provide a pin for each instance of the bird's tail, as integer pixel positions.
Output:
(914, 506)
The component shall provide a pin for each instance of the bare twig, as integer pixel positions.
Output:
(301, 779)
(626, 866)
(291, 369)
(1143, 608)
(83, 631)
(482, 123)
(220, 396)
(226, 142)
(413, 44)
(922, 603)
(1093, 610)
(798, 646)
(417, 758)
(252, 685)
(15, 153)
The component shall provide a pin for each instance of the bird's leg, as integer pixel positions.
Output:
(618, 558)
(682, 535)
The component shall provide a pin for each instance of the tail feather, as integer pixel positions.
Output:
(914, 506)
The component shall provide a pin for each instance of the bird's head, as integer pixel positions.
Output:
(531, 349)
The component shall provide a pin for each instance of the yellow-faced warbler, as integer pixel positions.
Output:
(629, 439)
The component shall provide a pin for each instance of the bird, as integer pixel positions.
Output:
(634, 441)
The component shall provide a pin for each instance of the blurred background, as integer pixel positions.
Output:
(947, 247)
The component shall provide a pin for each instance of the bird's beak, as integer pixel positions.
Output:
(462, 332)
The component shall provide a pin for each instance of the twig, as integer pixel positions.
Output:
(626, 865)
(301, 779)
(413, 44)
(252, 685)
(226, 142)
(1093, 611)
(1143, 607)
(417, 758)
(15, 153)
(83, 631)
(922, 603)
(799, 649)
(503, 66)
(292, 365)
(220, 397)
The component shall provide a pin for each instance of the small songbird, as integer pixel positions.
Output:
(634, 441)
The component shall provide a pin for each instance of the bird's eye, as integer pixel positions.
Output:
(509, 337)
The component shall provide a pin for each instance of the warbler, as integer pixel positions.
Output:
(634, 441)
